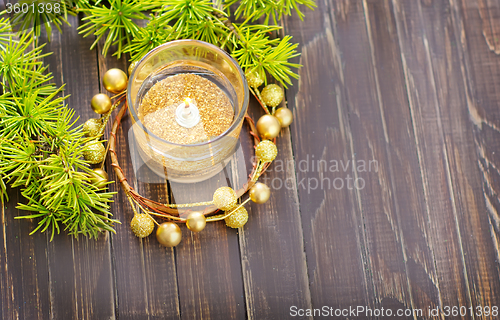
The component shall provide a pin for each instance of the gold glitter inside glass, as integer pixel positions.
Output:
(158, 107)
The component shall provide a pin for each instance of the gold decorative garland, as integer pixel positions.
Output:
(224, 199)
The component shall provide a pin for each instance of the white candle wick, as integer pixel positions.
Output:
(187, 114)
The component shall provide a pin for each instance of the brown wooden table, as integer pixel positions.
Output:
(410, 86)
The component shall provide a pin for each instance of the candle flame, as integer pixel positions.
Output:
(187, 102)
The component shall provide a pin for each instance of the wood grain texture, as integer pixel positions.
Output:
(439, 107)
(333, 230)
(208, 262)
(271, 243)
(24, 284)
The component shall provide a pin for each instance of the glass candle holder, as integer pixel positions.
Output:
(187, 100)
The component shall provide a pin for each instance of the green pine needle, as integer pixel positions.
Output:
(115, 23)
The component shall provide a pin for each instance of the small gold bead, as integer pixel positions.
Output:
(225, 198)
(100, 103)
(237, 219)
(254, 79)
(259, 193)
(99, 178)
(142, 225)
(272, 95)
(94, 152)
(266, 151)
(284, 116)
(115, 80)
(169, 234)
(196, 221)
(268, 126)
(92, 127)
(132, 66)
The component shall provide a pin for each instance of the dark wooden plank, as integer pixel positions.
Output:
(482, 110)
(81, 279)
(24, 283)
(144, 271)
(440, 108)
(402, 163)
(333, 230)
(271, 243)
(208, 262)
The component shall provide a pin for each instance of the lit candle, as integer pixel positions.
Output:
(187, 114)
(188, 100)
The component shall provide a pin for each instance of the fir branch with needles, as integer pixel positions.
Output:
(41, 148)
(256, 47)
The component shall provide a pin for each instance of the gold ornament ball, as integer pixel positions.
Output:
(92, 127)
(99, 178)
(272, 95)
(169, 234)
(115, 80)
(266, 151)
(225, 198)
(94, 152)
(259, 193)
(142, 225)
(237, 219)
(284, 116)
(268, 126)
(132, 66)
(254, 79)
(196, 221)
(100, 103)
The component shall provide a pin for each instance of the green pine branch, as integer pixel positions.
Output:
(41, 148)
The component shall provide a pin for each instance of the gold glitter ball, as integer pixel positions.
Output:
(254, 79)
(272, 95)
(225, 198)
(266, 151)
(142, 225)
(94, 152)
(92, 127)
(237, 219)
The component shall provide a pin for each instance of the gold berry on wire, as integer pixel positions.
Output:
(169, 234)
(238, 218)
(266, 151)
(196, 221)
(259, 193)
(284, 116)
(254, 79)
(268, 126)
(99, 178)
(94, 152)
(225, 198)
(272, 95)
(100, 103)
(92, 127)
(115, 80)
(142, 225)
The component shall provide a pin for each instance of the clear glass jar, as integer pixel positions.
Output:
(187, 162)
